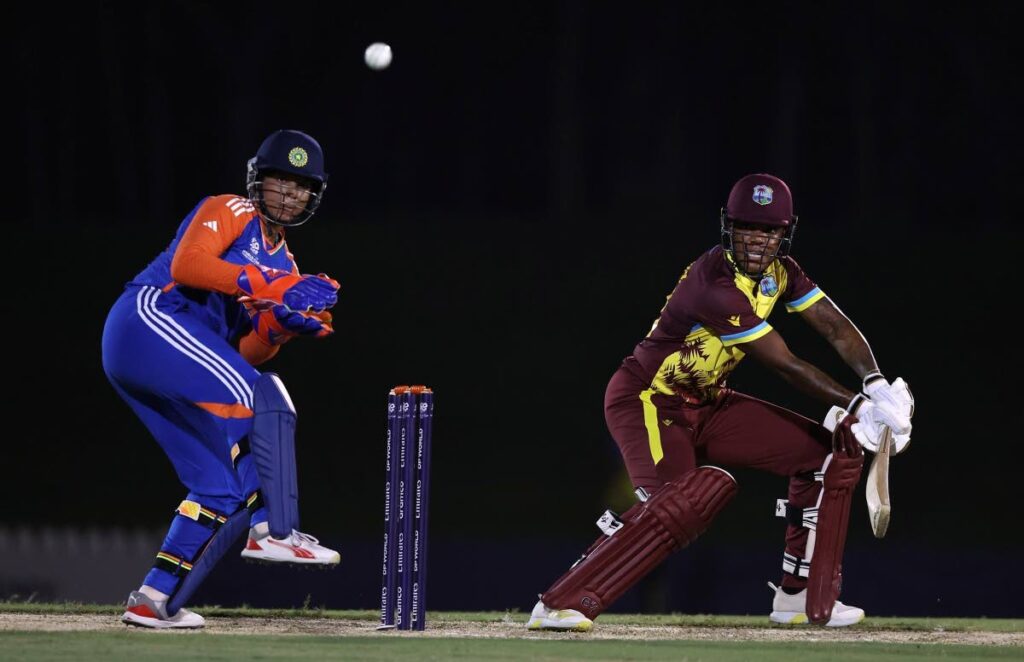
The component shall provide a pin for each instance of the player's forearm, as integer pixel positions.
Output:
(851, 345)
(815, 383)
(195, 267)
(255, 351)
(826, 318)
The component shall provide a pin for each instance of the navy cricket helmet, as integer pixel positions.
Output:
(293, 153)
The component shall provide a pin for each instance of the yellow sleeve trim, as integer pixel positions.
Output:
(805, 302)
(651, 423)
(762, 329)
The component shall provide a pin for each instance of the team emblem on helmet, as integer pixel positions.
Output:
(769, 287)
(763, 194)
(298, 158)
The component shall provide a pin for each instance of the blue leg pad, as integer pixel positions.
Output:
(272, 443)
(221, 542)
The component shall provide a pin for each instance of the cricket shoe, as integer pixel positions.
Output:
(564, 620)
(792, 610)
(300, 548)
(143, 611)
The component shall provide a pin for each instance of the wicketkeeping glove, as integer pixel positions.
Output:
(298, 293)
(275, 324)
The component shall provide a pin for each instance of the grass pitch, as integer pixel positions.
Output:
(93, 632)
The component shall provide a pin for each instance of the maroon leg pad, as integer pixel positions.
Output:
(669, 520)
(841, 475)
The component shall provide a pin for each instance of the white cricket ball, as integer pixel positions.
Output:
(377, 56)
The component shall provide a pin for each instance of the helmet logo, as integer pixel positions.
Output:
(763, 194)
(298, 158)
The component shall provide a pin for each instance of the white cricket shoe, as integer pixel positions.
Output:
(565, 620)
(297, 548)
(792, 610)
(142, 611)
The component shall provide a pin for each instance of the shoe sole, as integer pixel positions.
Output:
(788, 618)
(154, 623)
(306, 563)
(798, 618)
(539, 624)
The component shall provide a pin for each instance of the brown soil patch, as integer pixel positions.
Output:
(508, 629)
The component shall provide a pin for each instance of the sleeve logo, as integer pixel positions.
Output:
(734, 320)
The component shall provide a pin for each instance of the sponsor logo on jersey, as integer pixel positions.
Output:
(734, 320)
(769, 287)
(253, 252)
(763, 194)
(211, 224)
(298, 157)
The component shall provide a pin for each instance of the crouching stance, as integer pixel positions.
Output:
(669, 410)
(179, 347)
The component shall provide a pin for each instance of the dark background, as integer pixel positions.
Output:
(509, 204)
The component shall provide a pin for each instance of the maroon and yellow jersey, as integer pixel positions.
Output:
(696, 341)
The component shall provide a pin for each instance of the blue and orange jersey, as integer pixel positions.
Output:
(214, 240)
(697, 339)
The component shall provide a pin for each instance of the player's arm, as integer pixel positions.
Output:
(825, 318)
(771, 350)
(255, 350)
(197, 261)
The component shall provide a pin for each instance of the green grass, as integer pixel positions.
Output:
(135, 645)
(368, 644)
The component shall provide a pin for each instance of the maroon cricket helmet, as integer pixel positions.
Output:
(761, 198)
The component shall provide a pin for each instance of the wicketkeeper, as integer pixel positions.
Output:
(673, 418)
(179, 347)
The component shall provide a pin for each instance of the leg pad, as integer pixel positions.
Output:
(272, 443)
(672, 518)
(841, 471)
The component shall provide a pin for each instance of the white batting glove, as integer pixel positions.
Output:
(869, 428)
(868, 438)
(895, 395)
(871, 425)
(900, 390)
(836, 415)
(892, 407)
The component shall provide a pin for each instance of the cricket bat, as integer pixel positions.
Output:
(876, 492)
(877, 489)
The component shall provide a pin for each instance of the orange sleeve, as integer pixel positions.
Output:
(254, 350)
(197, 260)
(295, 265)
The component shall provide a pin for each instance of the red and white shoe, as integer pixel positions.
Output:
(298, 547)
(143, 611)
